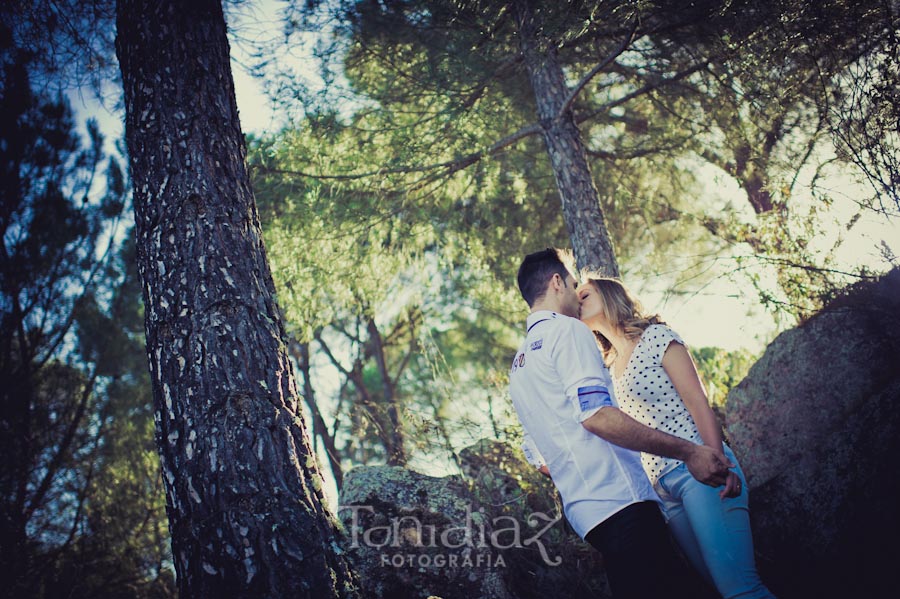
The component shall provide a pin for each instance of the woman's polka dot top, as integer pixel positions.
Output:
(645, 392)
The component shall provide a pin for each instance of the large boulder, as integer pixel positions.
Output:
(816, 425)
(411, 536)
(494, 532)
(558, 563)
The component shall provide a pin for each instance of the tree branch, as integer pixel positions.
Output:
(449, 167)
(663, 81)
(64, 445)
(567, 104)
(361, 391)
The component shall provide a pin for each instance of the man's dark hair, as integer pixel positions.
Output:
(536, 271)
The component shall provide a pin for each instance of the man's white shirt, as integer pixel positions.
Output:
(558, 380)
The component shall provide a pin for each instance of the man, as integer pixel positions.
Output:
(574, 432)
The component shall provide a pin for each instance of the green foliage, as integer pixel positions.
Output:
(345, 252)
(721, 370)
(81, 504)
(442, 99)
(417, 178)
(776, 110)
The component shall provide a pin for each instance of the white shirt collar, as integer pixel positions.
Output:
(538, 316)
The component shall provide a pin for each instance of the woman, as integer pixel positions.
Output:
(656, 383)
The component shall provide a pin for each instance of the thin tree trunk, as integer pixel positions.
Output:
(354, 378)
(580, 200)
(374, 411)
(244, 497)
(397, 453)
(300, 352)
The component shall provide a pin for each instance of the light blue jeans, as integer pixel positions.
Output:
(713, 533)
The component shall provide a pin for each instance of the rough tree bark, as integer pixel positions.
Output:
(243, 489)
(580, 200)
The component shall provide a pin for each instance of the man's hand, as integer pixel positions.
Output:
(544, 470)
(708, 466)
(732, 486)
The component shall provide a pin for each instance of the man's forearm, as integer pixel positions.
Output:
(619, 428)
(704, 463)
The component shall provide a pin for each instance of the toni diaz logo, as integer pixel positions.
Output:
(409, 531)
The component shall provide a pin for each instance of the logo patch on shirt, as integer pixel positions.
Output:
(521, 359)
(593, 397)
(517, 362)
(536, 345)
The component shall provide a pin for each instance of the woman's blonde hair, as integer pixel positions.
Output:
(621, 309)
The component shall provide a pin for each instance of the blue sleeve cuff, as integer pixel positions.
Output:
(593, 397)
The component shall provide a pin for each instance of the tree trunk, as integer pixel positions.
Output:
(396, 451)
(300, 351)
(580, 200)
(243, 490)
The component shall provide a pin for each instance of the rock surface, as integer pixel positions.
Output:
(508, 487)
(816, 425)
(415, 536)
(406, 533)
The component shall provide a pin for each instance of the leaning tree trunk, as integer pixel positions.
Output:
(580, 200)
(243, 490)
